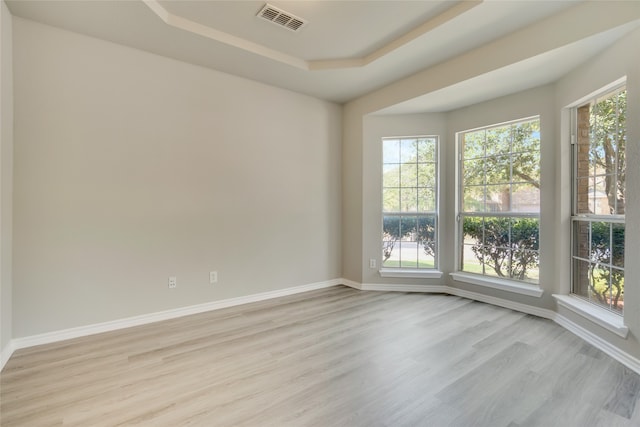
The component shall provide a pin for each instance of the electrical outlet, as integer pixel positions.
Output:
(372, 263)
(213, 277)
(173, 282)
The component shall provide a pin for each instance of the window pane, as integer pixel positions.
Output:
(426, 229)
(426, 150)
(601, 242)
(584, 168)
(581, 278)
(496, 264)
(524, 244)
(599, 290)
(391, 151)
(390, 239)
(617, 289)
(408, 254)
(473, 145)
(499, 140)
(408, 228)
(472, 262)
(391, 226)
(501, 247)
(525, 234)
(408, 151)
(473, 199)
(473, 172)
(425, 259)
(409, 175)
(426, 199)
(473, 232)
(607, 138)
(391, 176)
(426, 174)
(498, 198)
(496, 232)
(604, 205)
(426, 241)
(619, 192)
(581, 239)
(600, 284)
(391, 200)
(473, 229)
(585, 196)
(498, 170)
(526, 167)
(525, 265)
(526, 136)
(390, 253)
(408, 199)
(617, 244)
(525, 198)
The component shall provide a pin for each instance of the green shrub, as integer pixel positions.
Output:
(421, 229)
(507, 245)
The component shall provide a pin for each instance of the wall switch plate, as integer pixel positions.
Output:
(173, 282)
(372, 263)
(213, 277)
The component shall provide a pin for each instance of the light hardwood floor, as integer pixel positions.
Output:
(334, 357)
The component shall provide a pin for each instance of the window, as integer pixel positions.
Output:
(409, 202)
(598, 220)
(499, 200)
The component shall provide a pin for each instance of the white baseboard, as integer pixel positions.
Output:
(351, 284)
(616, 353)
(144, 319)
(6, 353)
(516, 306)
(431, 289)
(621, 356)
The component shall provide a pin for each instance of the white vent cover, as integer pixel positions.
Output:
(281, 18)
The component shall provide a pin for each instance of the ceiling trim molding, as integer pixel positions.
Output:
(417, 32)
(185, 24)
(226, 38)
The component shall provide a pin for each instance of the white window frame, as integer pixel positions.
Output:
(505, 284)
(584, 306)
(410, 272)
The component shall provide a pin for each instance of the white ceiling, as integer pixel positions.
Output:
(347, 49)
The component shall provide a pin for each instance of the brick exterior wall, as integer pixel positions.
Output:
(581, 274)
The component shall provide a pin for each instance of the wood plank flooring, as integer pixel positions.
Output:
(333, 357)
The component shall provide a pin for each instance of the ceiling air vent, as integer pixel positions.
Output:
(281, 18)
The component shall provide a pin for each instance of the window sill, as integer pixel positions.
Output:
(598, 315)
(408, 273)
(501, 284)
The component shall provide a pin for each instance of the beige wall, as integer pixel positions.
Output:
(352, 250)
(6, 176)
(130, 168)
